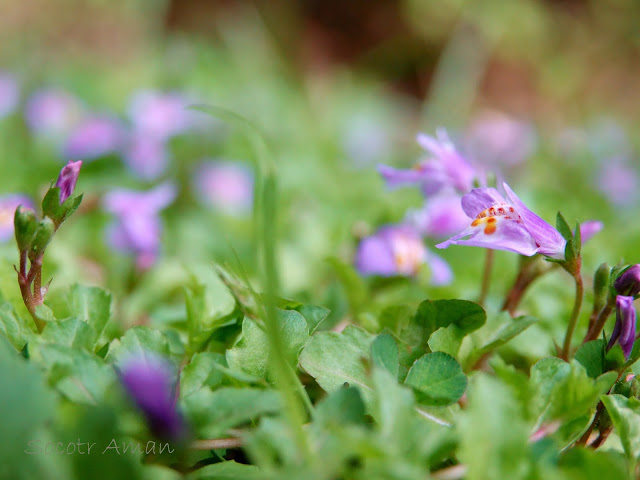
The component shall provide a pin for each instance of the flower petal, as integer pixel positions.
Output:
(548, 238)
(589, 228)
(508, 235)
(480, 199)
(441, 273)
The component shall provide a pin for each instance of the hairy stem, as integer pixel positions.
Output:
(573, 320)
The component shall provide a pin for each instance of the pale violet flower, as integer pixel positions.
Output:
(399, 250)
(444, 168)
(160, 114)
(225, 186)
(441, 216)
(618, 181)
(146, 156)
(624, 331)
(52, 112)
(9, 93)
(94, 137)
(502, 225)
(8, 205)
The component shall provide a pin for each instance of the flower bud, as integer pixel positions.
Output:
(601, 286)
(43, 235)
(628, 282)
(67, 179)
(624, 331)
(25, 226)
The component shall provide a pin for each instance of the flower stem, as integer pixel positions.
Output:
(600, 320)
(486, 277)
(577, 304)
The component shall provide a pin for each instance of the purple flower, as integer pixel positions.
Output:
(440, 216)
(146, 156)
(8, 205)
(150, 382)
(624, 331)
(495, 137)
(226, 186)
(398, 250)
(444, 168)
(158, 114)
(52, 112)
(618, 181)
(9, 93)
(67, 179)
(94, 137)
(628, 282)
(138, 227)
(500, 225)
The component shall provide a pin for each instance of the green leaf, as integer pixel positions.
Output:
(493, 434)
(251, 354)
(138, 341)
(91, 305)
(229, 470)
(201, 372)
(71, 332)
(352, 282)
(384, 353)
(446, 339)
(438, 379)
(210, 305)
(339, 408)
(211, 413)
(588, 464)
(313, 314)
(26, 405)
(625, 415)
(591, 356)
(563, 227)
(15, 329)
(395, 317)
(334, 359)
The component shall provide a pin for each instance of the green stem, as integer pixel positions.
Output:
(486, 277)
(577, 304)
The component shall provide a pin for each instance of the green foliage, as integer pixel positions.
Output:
(437, 378)
(625, 415)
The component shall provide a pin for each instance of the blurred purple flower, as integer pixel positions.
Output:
(624, 331)
(151, 382)
(398, 250)
(511, 226)
(67, 179)
(9, 93)
(226, 186)
(497, 138)
(52, 112)
(138, 227)
(146, 156)
(445, 168)
(589, 228)
(440, 216)
(94, 137)
(159, 114)
(8, 205)
(618, 182)
(628, 282)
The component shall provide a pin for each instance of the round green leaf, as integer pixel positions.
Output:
(437, 378)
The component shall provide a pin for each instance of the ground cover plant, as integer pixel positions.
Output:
(213, 266)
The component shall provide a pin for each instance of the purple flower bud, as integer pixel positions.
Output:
(138, 227)
(628, 282)
(158, 114)
(624, 331)
(398, 250)
(94, 137)
(9, 93)
(52, 112)
(150, 382)
(67, 179)
(146, 156)
(8, 205)
(226, 186)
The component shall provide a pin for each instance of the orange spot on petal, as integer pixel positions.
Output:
(489, 229)
(491, 220)
(476, 222)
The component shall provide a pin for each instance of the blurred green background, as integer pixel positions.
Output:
(337, 88)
